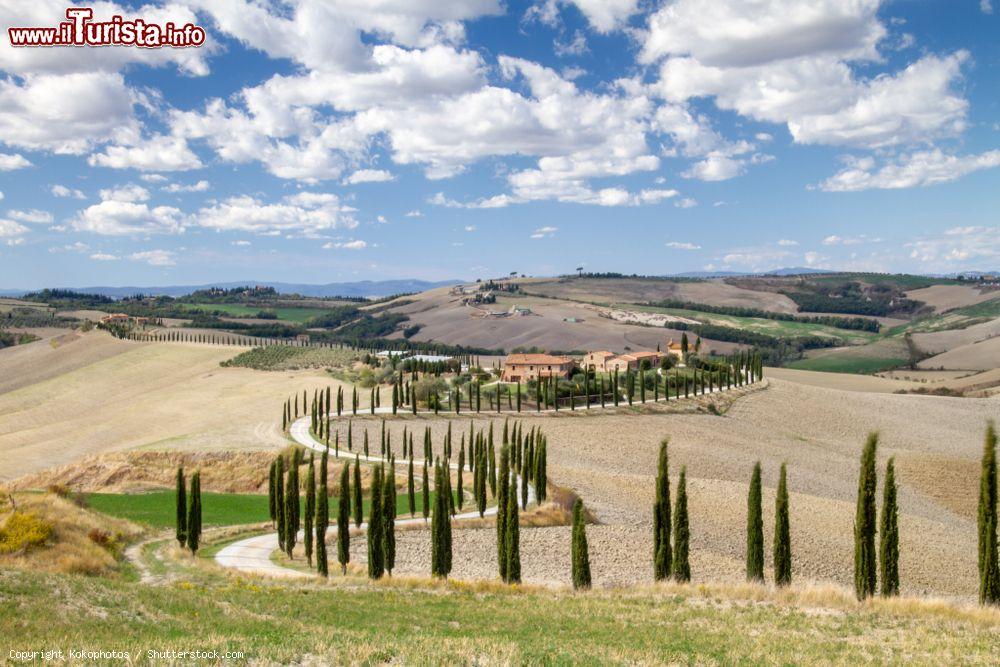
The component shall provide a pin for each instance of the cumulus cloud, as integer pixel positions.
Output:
(12, 161)
(415, 213)
(916, 169)
(356, 244)
(155, 257)
(33, 216)
(678, 245)
(835, 239)
(544, 232)
(687, 202)
(305, 213)
(62, 191)
(123, 210)
(368, 176)
(787, 243)
(959, 247)
(200, 186)
(104, 257)
(10, 229)
(158, 153)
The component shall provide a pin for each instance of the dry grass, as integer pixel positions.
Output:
(79, 541)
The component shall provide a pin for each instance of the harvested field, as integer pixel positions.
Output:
(983, 355)
(937, 342)
(58, 352)
(844, 381)
(158, 396)
(946, 297)
(638, 290)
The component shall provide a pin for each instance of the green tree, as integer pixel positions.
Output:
(181, 532)
(681, 568)
(323, 516)
(458, 480)
(271, 504)
(440, 526)
(194, 516)
(426, 494)
(889, 534)
(344, 519)
(580, 552)
(512, 542)
(376, 554)
(292, 504)
(864, 523)
(503, 486)
(989, 565)
(662, 553)
(307, 540)
(755, 528)
(356, 491)
(389, 518)
(279, 497)
(411, 497)
(782, 533)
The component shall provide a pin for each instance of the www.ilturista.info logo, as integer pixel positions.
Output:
(80, 30)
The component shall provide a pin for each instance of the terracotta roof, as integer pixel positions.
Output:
(601, 353)
(637, 356)
(536, 359)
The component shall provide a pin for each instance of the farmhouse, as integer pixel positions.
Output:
(598, 360)
(524, 367)
(633, 360)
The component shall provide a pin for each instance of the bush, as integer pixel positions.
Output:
(22, 531)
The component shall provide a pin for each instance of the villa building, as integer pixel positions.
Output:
(598, 360)
(524, 367)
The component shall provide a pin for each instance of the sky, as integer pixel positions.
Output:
(335, 140)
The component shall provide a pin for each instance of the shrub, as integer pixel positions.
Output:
(22, 531)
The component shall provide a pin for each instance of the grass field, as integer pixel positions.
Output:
(353, 622)
(289, 314)
(156, 508)
(846, 363)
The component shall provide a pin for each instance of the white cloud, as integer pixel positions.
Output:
(200, 186)
(104, 257)
(607, 15)
(715, 168)
(544, 232)
(415, 213)
(10, 229)
(678, 245)
(63, 191)
(158, 153)
(918, 169)
(470, 228)
(123, 210)
(241, 243)
(368, 176)
(154, 178)
(33, 216)
(985, 6)
(687, 202)
(356, 244)
(12, 161)
(576, 46)
(835, 239)
(307, 213)
(812, 258)
(787, 243)
(125, 193)
(155, 257)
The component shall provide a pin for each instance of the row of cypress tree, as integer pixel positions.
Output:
(188, 523)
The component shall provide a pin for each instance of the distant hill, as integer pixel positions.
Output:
(792, 271)
(363, 288)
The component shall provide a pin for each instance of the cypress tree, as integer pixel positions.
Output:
(782, 533)
(512, 545)
(864, 523)
(356, 490)
(279, 498)
(501, 498)
(662, 553)
(344, 518)
(458, 480)
(376, 555)
(426, 493)
(389, 519)
(681, 568)
(323, 516)
(580, 552)
(194, 517)
(755, 529)
(889, 534)
(409, 488)
(989, 565)
(181, 532)
(307, 540)
(540, 474)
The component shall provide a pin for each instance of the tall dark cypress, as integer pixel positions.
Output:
(411, 497)
(989, 560)
(322, 517)
(389, 518)
(376, 555)
(194, 516)
(512, 545)
(440, 526)
(270, 494)
(426, 494)
(864, 523)
(681, 567)
(307, 539)
(755, 528)
(662, 552)
(460, 496)
(181, 528)
(344, 519)
(279, 498)
(502, 490)
(356, 505)
(580, 552)
(889, 534)
(292, 505)
(782, 533)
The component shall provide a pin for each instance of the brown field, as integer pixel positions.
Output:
(983, 355)
(163, 396)
(446, 320)
(942, 341)
(844, 381)
(58, 352)
(637, 290)
(947, 297)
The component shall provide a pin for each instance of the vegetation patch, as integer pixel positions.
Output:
(283, 358)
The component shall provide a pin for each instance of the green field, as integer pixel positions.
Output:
(157, 508)
(845, 363)
(349, 621)
(289, 314)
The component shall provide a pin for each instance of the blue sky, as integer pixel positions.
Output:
(342, 140)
